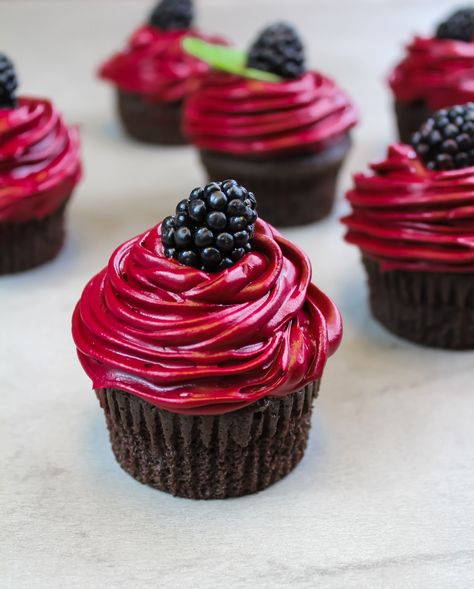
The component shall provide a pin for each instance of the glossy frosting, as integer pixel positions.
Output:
(39, 160)
(155, 65)
(203, 343)
(250, 117)
(408, 217)
(438, 71)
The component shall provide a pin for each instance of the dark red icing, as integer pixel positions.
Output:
(203, 343)
(155, 65)
(438, 71)
(409, 217)
(250, 117)
(39, 160)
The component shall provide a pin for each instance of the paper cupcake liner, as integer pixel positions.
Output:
(410, 116)
(157, 123)
(207, 456)
(26, 244)
(429, 308)
(289, 192)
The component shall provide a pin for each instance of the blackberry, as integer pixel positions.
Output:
(170, 15)
(446, 140)
(459, 26)
(213, 228)
(278, 50)
(8, 83)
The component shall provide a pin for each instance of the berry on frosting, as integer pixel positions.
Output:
(8, 82)
(213, 228)
(278, 50)
(446, 140)
(170, 15)
(459, 26)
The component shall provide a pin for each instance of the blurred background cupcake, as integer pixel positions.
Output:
(413, 220)
(436, 72)
(153, 74)
(268, 121)
(39, 168)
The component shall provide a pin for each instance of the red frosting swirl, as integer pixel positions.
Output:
(203, 343)
(409, 217)
(155, 65)
(438, 71)
(248, 117)
(39, 160)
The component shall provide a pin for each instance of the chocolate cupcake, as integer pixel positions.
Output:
(413, 220)
(205, 342)
(39, 168)
(437, 72)
(153, 75)
(279, 129)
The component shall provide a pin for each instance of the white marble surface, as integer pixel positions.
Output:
(384, 496)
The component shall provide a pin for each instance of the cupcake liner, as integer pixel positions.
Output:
(26, 244)
(209, 456)
(429, 308)
(157, 123)
(292, 191)
(410, 116)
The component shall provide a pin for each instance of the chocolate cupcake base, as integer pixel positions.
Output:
(26, 244)
(157, 123)
(410, 116)
(428, 308)
(205, 456)
(291, 191)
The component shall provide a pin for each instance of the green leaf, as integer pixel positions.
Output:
(226, 59)
(218, 56)
(249, 72)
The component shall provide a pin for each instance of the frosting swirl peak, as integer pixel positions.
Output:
(39, 160)
(409, 217)
(155, 65)
(249, 117)
(201, 343)
(438, 71)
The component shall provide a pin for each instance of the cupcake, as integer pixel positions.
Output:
(153, 75)
(278, 128)
(437, 72)
(205, 342)
(413, 220)
(39, 168)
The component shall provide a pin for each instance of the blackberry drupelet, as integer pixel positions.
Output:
(446, 140)
(8, 83)
(459, 26)
(213, 228)
(169, 15)
(278, 50)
